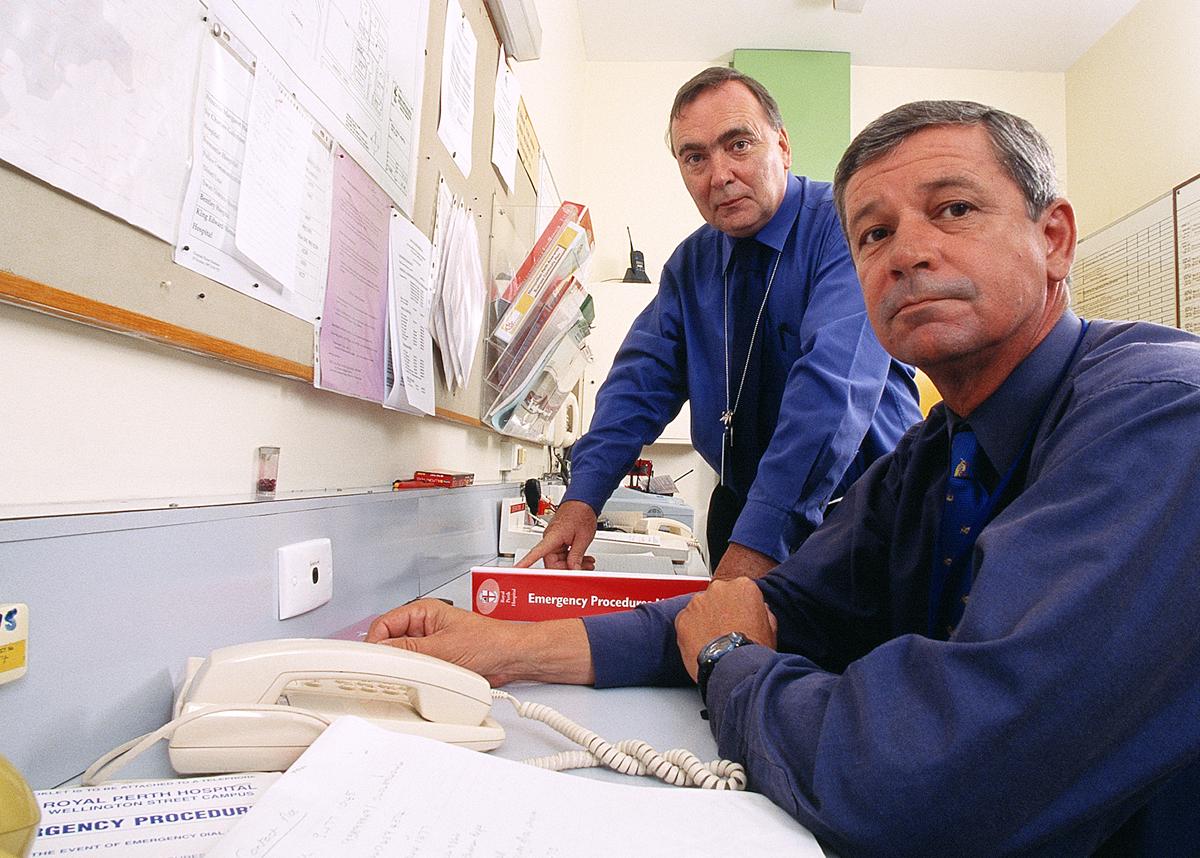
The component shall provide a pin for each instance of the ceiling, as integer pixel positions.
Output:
(1013, 35)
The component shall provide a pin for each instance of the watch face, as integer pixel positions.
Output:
(719, 646)
(712, 653)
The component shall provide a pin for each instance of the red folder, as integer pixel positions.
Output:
(556, 594)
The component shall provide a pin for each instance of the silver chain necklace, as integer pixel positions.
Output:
(731, 409)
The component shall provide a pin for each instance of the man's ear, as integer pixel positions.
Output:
(1058, 231)
(785, 146)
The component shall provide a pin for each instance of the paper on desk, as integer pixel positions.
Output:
(458, 86)
(210, 214)
(271, 198)
(354, 323)
(145, 819)
(410, 300)
(364, 790)
(504, 127)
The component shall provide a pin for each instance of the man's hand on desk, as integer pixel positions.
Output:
(726, 606)
(500, 651)
(565, 539)
(742, 562)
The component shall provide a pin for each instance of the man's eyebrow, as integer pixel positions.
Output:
(942, 183)
(862, 212)
(730, 134)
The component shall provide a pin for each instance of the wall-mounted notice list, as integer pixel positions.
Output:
(1187, 250)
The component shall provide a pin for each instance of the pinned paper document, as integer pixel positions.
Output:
(409, 378)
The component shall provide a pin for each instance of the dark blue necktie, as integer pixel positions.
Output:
(963, 512)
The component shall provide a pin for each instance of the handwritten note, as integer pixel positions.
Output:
(363, 790)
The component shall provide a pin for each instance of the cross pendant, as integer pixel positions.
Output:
(727, 422)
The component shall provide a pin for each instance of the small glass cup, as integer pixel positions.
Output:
(266, 472)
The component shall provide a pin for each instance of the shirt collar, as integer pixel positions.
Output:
(1002, 422)
(775, 232)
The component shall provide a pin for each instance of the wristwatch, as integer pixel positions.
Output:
(713, 652)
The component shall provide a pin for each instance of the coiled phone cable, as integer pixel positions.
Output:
(677, 766)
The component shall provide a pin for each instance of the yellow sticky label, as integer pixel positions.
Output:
(12, 656)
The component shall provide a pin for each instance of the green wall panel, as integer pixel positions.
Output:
(813, 91)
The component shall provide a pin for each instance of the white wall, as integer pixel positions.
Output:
(1132, 107)
(1039, 97)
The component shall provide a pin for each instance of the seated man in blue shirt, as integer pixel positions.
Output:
(759, 323)
(989, 647)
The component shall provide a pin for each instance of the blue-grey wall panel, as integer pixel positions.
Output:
(118, 601)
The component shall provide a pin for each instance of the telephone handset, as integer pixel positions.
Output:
(403, 691)
(257, 706)
(667, 525)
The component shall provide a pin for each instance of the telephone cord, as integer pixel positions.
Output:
(122, 755)
(677, 766)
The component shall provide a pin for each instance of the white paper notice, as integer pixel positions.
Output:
(410, 275)
(95, 99)
(504, 127)
(459, 293)
(458, 87)
(145, 819)
(271, 199)
(364, 790)
(363, 70)
(209, 219)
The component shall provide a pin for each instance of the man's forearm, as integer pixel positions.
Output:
(552, 651)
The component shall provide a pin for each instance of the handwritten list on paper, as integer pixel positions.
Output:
(364, 790)
(354, 323)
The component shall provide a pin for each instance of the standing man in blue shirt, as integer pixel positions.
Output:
(989, 647)
(760, 323)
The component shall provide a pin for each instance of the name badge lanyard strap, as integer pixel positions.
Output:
(985, 514)
(731, 408)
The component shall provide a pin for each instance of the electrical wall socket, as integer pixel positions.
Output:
(512, 456)
(305, 576)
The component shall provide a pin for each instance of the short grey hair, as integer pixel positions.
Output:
(716, 76)
(1021, 150)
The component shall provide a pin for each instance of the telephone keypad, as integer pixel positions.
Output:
(358, 688)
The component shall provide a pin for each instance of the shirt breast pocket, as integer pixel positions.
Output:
(788, 340)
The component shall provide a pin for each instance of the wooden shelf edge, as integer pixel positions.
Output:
(32, 295)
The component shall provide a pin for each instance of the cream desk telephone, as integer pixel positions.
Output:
(257, 707)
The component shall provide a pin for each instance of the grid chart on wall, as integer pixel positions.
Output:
(1187, 249)
(1127, 270)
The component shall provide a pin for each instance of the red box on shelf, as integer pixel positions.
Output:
(449, 479)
